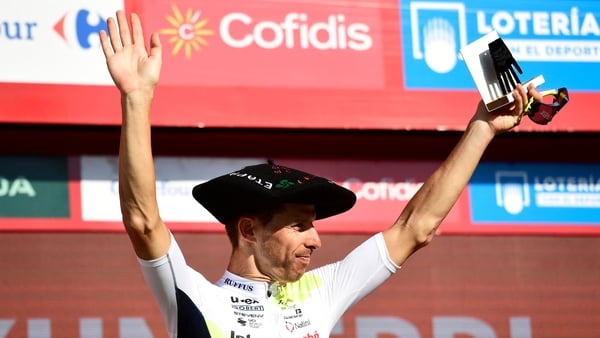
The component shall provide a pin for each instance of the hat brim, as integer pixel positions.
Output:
(226, 200)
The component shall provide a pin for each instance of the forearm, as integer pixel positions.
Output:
(136, 170)
(137, 180)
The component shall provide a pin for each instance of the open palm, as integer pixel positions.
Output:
(131, 66)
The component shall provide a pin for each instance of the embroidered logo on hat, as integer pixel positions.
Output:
(284, 184)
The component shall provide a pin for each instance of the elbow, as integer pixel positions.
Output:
(423, 239)
(136, 221)
(132, 221)
(422, 232)
(406, 236)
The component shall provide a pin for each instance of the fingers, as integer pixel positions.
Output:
(125, 35)
(534, 93)
(113, 34)
(136, 27)
(106, 47)
(155, 45)
(119, 34)
(520, 95)
(111, 42)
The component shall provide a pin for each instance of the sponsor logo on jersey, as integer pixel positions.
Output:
(235, 335)
(312, 335)
(292, 326)
(253, 323)
(243, 300)
(238, 285)
(297, 314)
(248, 307)
(248, 315)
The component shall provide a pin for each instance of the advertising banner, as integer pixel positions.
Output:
(558, 40)
(34, 187)
(269, 44)
(54, 42)
(175, 178)
(382, 187)
(501, 198)
(536, 193)
(376, 64)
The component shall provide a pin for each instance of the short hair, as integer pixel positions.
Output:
(263, 214)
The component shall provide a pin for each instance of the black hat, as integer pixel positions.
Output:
(229, 196)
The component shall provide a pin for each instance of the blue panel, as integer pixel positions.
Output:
(558, 39)
(548, 193)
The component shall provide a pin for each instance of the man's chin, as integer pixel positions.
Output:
(295, 276)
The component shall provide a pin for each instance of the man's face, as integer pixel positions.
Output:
(285, 244)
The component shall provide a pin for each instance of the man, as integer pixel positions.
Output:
(269, 213)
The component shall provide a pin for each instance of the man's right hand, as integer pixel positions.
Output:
(131, 66)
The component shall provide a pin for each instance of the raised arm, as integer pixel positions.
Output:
(416, 225)
(135, 71)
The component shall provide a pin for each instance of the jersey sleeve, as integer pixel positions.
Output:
(354, 277)
(175, 287)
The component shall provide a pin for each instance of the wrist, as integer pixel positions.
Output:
(138, 97)
(481, 131)
(136, 106)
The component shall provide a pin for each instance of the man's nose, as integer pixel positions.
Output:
(313, 239)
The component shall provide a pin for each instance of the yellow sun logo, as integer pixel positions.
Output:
(187, 31)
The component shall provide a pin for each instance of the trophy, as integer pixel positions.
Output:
(492, 67)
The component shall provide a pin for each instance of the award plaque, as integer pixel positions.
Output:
(492, 68)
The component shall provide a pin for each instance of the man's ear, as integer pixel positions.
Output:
(247, 229)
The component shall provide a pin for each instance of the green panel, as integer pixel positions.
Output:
(34, 187)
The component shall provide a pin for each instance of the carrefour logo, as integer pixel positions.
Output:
(80, 27)
(190, 32)
(554, 39)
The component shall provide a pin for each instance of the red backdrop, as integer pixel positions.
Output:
(547, 286)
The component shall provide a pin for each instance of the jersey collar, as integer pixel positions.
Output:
(258, 289)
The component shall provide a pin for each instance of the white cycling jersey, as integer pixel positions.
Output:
(236, 307)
